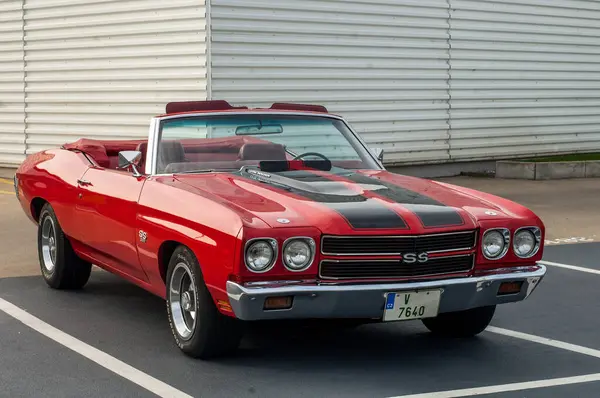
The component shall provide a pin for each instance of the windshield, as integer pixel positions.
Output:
(228, 142)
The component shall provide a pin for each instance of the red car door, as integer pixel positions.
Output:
(106, 211)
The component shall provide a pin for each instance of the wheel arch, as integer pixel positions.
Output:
(165, 251)
(35, 207)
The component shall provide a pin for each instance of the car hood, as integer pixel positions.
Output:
(345, 201)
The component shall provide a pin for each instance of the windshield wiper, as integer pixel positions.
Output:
(202, 171)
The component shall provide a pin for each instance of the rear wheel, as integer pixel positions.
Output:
(61, 267)
(199, 329)
(461, 324)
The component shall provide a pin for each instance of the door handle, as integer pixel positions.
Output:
(83, 182)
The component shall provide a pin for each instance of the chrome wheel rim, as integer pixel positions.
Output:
(49, 244)
(184, 301)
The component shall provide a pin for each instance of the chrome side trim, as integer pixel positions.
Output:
(396, 261)
(279, 283)
(398, 237)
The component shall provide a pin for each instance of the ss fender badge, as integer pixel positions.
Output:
(143, 236)
(283, 220)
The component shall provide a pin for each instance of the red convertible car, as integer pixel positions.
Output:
(234, 215)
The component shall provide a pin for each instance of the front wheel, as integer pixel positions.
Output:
(461, 324)
(199, 329)
(61, 267)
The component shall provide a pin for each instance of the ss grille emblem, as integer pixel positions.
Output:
(411, 258)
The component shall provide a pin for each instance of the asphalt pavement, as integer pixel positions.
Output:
(373, 361)
(112, 339)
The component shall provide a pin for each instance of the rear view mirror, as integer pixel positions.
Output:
(130, 158)
(259, 129)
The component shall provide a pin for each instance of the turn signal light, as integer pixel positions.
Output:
(224, 305)
(278, 303)
(509, 288)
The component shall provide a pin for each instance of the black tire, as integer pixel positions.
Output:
(213, 334)
(467, 323)
(65, 269)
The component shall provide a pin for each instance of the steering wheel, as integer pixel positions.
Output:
(317, 154)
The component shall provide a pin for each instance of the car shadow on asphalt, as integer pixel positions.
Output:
(131, 324)
(110, 297)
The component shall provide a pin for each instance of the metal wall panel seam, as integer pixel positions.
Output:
(208, 30)
(449, 38)
(24, 79)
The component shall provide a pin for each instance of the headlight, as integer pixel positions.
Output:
(495, 243)
(298, 253)
(260, 254)
(526, 242)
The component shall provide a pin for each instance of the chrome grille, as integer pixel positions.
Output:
(381, 269)
(396, 245)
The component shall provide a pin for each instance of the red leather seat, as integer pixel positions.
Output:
(266, 151)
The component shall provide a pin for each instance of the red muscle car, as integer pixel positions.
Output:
(234, 214)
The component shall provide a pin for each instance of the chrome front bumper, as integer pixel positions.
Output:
(368, 300)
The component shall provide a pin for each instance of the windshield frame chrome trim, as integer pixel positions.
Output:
(156, 123)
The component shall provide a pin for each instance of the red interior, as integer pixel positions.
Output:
(104, 152)
(191, 154)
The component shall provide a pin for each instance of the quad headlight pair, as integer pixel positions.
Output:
(297, 253)
(496, 242)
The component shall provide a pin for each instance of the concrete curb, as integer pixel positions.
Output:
(7, 172)
(547, 170)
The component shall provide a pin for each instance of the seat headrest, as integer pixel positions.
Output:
(169, 152)
(267, 151)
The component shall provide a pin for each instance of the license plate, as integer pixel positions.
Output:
(411, 305)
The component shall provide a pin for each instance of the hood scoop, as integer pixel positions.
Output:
(302, 181)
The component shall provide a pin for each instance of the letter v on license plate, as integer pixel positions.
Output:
(404, 306)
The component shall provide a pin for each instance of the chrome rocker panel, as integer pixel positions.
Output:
(368, 300)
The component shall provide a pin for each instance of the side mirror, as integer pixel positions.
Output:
(378, 152)
(130, 158)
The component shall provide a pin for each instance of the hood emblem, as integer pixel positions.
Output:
(283, 220)
(258, 173)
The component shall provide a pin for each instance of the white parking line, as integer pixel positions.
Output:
(528, 385)
(101, 358)
(570, 240)
(545, 341)
(571, 267)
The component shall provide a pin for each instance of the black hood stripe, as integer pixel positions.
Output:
(359, 211)
(431, 213)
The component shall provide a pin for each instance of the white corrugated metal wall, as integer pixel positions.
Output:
(430, 80)
(427, 80)
(525, 77)
(12, 86)
(382, 64)
(99, 68)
